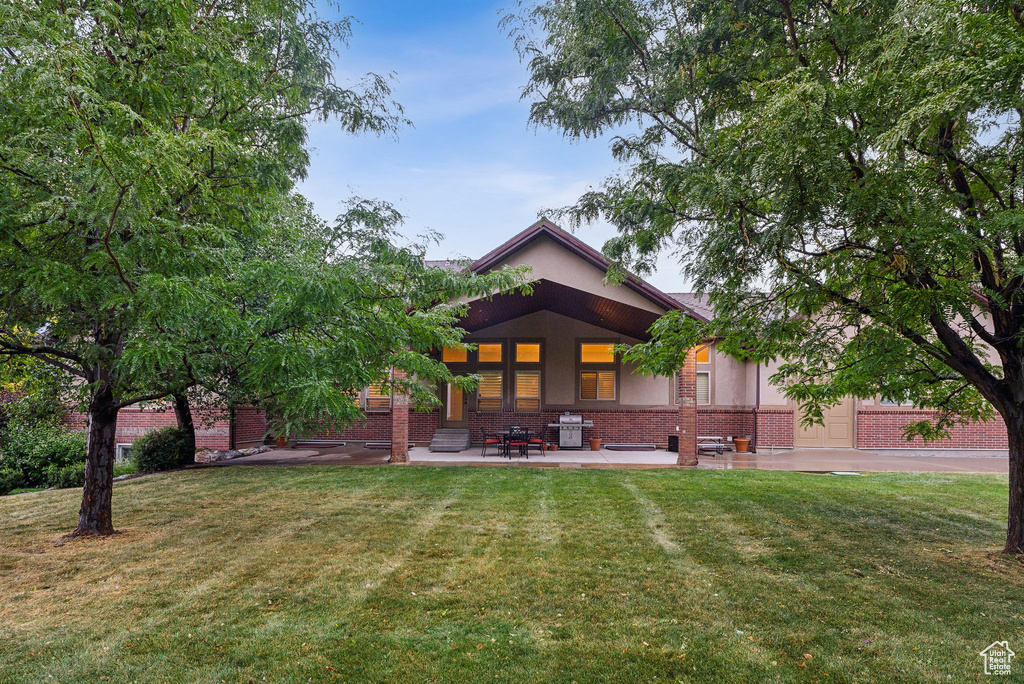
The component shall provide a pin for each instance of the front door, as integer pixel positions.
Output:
(453, 412)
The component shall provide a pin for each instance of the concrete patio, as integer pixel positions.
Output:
(807, 460)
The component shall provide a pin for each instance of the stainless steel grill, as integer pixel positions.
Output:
(570, 430)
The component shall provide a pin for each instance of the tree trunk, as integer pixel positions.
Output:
(94, 517)
(1015, 517)
(183, 411)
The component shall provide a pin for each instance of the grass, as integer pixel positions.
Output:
(512, 574)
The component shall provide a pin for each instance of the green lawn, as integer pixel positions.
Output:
(457, 574)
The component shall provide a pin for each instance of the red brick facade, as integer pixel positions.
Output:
(213, 428)
(883, 429)
(725, 422)
(250, 426)
(775, 427)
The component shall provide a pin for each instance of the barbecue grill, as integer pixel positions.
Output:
(570, 430)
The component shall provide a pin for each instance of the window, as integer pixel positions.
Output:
(599, 352)
(703, 355)
(377, 397)
(124, 452)
(488, 353)
(889, 401)
(527, 352)
(527, 391)
(454, 355)
(704, 388)
(488, 392)
(598, 385)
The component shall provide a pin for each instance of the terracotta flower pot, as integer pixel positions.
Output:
(282, 441)
(742, 444)
(552, 447)
(595, 444)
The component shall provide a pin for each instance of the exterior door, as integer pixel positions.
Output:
(836, 433)
(453, 413)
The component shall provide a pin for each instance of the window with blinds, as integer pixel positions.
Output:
(597, 385)
(527, 391)
(703, 388)
(488, 392)
(377, 397)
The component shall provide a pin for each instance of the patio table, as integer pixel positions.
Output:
(710, 443)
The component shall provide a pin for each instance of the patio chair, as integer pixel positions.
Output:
(519, 438)
(490, 439)
(535, 440)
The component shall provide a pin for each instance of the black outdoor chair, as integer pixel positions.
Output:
(490, 439)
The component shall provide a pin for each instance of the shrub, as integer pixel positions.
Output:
(65, 477)
(9, 480)
(162, 449)
(128, 467)
(32, 448)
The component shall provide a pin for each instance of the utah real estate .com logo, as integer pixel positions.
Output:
(997, 658)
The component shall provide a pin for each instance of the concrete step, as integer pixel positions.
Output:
(450, 440)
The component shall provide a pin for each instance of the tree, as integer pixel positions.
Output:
(313, 312)
(842, 178)
(145, 149)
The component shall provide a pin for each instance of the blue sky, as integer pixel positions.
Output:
(470, 167)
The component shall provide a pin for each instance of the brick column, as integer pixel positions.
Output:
(688, 411)
(399, 425)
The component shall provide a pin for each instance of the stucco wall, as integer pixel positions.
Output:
(551, 261)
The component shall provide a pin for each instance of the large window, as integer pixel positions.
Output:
(703, 355)
(377, 397)
(527, 352)
(489, 391)
(527, 391)
(704, 388)
(597, 385)
(597, 352)
(454, 355)
(489, 352)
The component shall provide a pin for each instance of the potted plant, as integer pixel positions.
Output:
(742, 444)
(282, 440)
(595, 444)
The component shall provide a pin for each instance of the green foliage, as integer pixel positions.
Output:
(126, 468)
(31, 449)
(65, 477)
(159, 450)
(842, 178)
(151, 239)
(10, 479)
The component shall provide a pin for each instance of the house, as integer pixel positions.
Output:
(551, 352)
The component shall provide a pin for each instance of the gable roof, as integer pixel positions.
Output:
(544, 228)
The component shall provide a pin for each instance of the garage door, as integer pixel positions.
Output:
(837, 431)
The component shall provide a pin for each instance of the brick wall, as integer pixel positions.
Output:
(250, 426)
(213, 428)
(723, 422)
(775, 427)
(611, 426)
(883, 429)
(377, 428)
